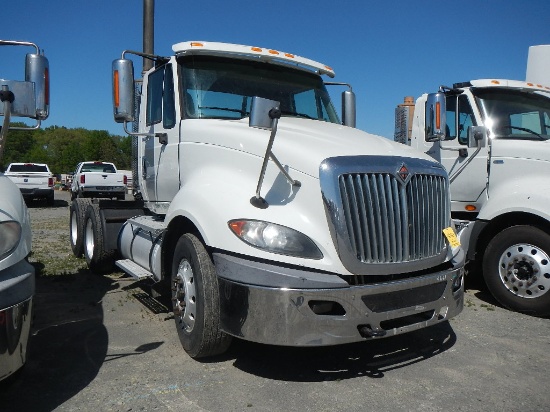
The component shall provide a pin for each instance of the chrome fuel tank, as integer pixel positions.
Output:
(140, 240)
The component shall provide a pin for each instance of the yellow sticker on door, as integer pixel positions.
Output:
(451, 237)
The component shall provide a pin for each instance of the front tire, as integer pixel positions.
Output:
(516, 268)
(99, 259)
(77, 213)
(195, 299)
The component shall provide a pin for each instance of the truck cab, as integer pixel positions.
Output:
(271, 220)
(499, 185)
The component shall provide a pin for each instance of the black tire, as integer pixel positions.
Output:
(50, 200)
(77, 216)
(195, 299)
(516, 269)
(99, 259)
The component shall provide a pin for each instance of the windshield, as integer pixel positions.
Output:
(222, 88)
(515, 114)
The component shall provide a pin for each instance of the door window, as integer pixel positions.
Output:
(459, 117)
(160, 98)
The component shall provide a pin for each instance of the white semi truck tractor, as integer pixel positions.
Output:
(494, 142)
(27, 98)
(271, 220)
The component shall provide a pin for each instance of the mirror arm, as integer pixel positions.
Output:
(290, 180)
(466, 163)
(5, 126)
(159, 135)
(257, 200)
(35, 127)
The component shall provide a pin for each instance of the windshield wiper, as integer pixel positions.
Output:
(524, 129)
(243, 113)
(307, 116)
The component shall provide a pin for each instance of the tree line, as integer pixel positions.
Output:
(62, 148)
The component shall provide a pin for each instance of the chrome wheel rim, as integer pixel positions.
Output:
(525, 270)
(185, 300)
(89, 240)
(74, 228)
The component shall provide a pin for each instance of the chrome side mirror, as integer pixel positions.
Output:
(37, 71)
(435, 117)
(348, 108)
(123, 91)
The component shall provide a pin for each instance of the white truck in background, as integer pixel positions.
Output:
(35, 180)
(494, 142)
(269, 219)
(30, 99)
(98, 179)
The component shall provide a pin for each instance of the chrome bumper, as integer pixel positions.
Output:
(317, 316)
(16, 293)
(15, 326)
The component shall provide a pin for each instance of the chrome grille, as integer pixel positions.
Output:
(391, 222)
(386, 214)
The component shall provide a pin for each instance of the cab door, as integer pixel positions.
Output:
(469, 185)
(160, 167)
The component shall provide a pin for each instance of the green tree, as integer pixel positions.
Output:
(18, 145)
(62, 148)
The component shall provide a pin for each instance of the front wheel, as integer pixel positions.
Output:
(195, 298)
(516, 268)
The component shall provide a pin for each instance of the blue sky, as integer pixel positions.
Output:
(385, 49)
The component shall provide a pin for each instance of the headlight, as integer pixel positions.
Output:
(275, 238)
(10, 233)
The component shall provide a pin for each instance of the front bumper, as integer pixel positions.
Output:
(17, 285)
(321, 312)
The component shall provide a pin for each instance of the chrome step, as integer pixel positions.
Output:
(133, 269)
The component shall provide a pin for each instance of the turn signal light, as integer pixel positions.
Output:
(116, 88)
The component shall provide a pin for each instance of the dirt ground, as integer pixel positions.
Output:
(101, 343)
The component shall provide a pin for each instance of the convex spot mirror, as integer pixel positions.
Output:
(477, 136)
(260, 112)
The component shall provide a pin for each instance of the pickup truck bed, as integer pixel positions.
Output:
(33, 179)
(98, 179)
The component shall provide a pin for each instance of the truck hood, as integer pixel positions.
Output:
(300, 144)
(525, 149)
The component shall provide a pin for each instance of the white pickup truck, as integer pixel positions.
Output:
(98, 179)
(33, 179)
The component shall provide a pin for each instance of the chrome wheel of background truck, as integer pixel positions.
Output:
(516, 268)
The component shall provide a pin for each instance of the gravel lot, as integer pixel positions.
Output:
(101, 344)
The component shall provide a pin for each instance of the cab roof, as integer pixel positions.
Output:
(250, 52)
(515, 84)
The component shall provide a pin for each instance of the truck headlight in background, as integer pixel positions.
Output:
(10, 233)
(275, 238)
